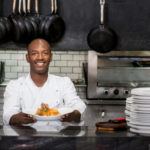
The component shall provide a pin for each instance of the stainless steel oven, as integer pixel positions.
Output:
(111, 76)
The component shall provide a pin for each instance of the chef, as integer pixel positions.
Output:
(30, 91)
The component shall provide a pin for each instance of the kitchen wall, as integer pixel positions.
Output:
(65, 63)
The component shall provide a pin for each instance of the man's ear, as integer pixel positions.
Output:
(27, 58)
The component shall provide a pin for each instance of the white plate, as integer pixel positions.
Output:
(139, 123)
(48, 118)
(144, 132)
(141, 91)
(135, 97)
(140, 127)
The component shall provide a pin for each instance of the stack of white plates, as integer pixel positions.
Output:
(138, 111)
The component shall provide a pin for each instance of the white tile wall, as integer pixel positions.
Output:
(65, 63)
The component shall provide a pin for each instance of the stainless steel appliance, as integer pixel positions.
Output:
(2, 71)
(111, 76)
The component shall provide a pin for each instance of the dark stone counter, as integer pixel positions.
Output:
(70, 138)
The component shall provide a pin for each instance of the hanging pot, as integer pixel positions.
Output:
(102, 39)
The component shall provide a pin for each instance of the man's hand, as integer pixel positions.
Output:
(21, 118)
(73, 116)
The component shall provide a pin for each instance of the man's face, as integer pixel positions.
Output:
(39, 56)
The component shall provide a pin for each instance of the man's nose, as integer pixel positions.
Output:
(40, 56)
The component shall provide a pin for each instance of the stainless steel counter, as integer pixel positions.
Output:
(70, 138)
(61, 131)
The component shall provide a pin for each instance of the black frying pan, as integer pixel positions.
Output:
(22, 25)
(18, 26)
(32, 19)
(54, 26)
(2, 29)
(28, 24)
(16, 34)
(8, 28)
(44, 20)
(102, 39)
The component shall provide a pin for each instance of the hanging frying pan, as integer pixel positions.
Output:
(54, 26)
(44, 19)
(28, 24)
(102, 39)
(32, 20)
(8, 28)
(22, 24)
(16, 34)
(18, 26)
(3, 30)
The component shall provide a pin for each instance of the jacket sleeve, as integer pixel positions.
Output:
(70, 96)
(11, 101)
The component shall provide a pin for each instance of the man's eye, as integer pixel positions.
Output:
(33, 53)
(45, 53)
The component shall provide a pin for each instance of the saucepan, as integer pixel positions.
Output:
(102, 39)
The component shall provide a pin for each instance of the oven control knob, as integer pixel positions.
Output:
(126, 92)
(106, 92)
(116, 91)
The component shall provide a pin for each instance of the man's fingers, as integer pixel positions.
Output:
(28, 120)
(66, 117)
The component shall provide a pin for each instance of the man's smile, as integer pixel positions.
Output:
(40, 64)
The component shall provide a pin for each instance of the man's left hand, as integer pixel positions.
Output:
(73, 116)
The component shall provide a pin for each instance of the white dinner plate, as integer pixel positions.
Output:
(141, 91)
(140, 127)
(137, 97)
(141, 132)
(48, 118)
(139, 123)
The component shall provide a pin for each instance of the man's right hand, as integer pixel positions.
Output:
(21, 118)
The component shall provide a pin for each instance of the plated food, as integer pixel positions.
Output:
(46, 111)
(47, 114)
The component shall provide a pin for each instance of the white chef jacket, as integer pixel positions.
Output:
(22, 94)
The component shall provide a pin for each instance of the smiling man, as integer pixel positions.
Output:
(30, 91)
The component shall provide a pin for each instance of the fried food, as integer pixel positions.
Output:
(46, 111)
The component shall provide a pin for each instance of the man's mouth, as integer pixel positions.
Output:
(40, 63)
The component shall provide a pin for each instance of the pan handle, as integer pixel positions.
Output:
(14, 6)
(52, 6)
(36, 7)
(102, 3)
(24, 7)
(28, 6)
(55, 6)
(19, 8)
